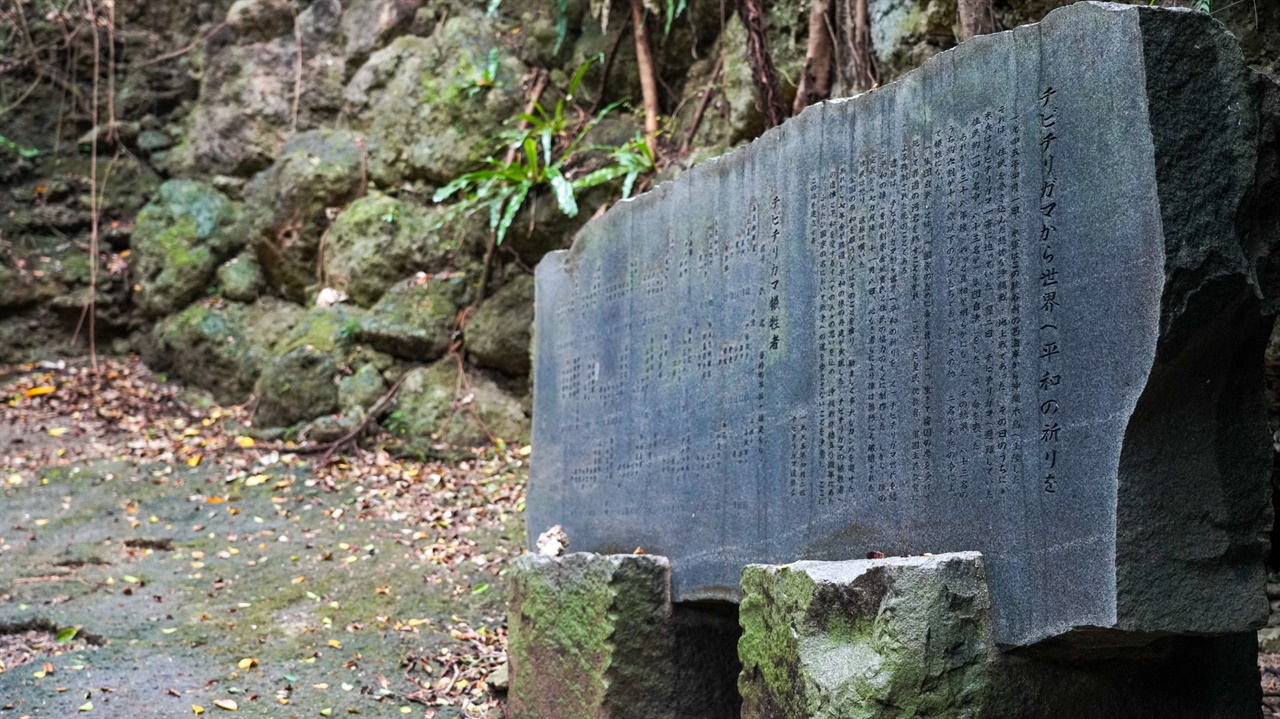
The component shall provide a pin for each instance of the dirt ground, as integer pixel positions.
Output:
(248, 577)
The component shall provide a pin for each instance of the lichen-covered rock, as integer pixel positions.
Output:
(247, 94)
(905, 33)
(221, 347)
(333, 427)
(260, 19)
(426, 103)
(58, 198)
(368, 25)
(241, 278)
(378, 240)
(18, 289)
(499, 333)
(413, 320)
(300, 381)
(865, 639)
(361, 389)
(589, 636)
(296, 386)
(437, 405)
(179, 239)
(290, 205)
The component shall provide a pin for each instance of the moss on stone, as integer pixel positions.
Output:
(435, 405)
(290, 204)
(378, 240)
(221, 347)
(875, 639)
(179, 239)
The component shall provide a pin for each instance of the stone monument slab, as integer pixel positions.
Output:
(1012, 303)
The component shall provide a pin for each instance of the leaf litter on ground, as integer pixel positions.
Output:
(64, 413)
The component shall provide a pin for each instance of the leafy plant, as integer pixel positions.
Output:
(542, 154)
(27, 152)
(350, 328)
(1201, 6)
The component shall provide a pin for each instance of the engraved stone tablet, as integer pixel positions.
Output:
(1009, 304)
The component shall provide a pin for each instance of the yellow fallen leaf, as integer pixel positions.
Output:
(335, 643)
(255, 480)
(38, 391)
(194, 461)
(197, 709)
(170, 630)
(227, 704)
(244, 442)
(298, 580)
(14, 479)
(526, 450)
(57, 431)
(247, 663)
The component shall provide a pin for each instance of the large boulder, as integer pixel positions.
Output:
(438, 404)
(378, 240)
(252, 87)
(499, 333)
(179, 239)
(291, 203)
(221, 346)
(426, 103)
(414, 320)
(300, 381)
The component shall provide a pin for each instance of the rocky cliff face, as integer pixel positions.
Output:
(265, 170)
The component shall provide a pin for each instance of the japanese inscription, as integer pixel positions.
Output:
(914, 321)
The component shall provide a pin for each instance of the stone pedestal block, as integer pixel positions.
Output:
(913, 637)
(596, 637)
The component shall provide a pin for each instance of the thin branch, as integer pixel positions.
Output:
(297, 69)
(648, 83)
(815, 78)
(183, 50)
(368, 417)
(762, 71)
(608, 63)
(702, 105)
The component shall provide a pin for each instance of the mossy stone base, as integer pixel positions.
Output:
(912, 637)
(854, 639)
(596, 637)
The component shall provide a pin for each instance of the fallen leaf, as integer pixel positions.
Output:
(256, 479)
(247, 663)
(197, 709)
(86, 707)
(57, 431)
(244, 442)
(38, 391)
(227, 704)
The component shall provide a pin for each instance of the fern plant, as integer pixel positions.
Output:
(546, 147)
